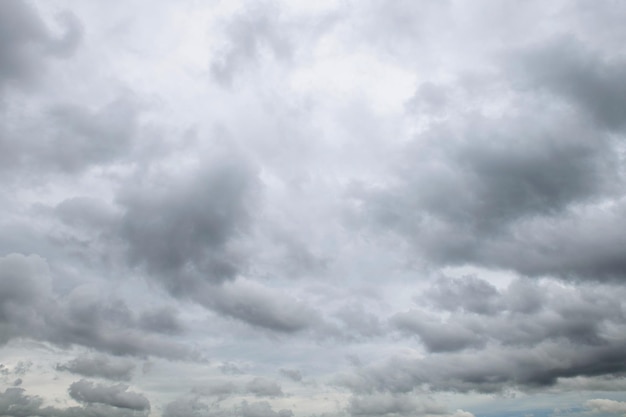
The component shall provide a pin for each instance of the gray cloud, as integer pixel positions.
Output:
(183, 407)
(468, 293)
(262, 387)
(261, 409)
(192, 406)
(293, 374)
(68, 138)
(248, 35)
(163, 320)
(29, 308)
(472, 191)
(26, 42)
(15, 403)
(489, 370)
(221, 389)
(298, 211)
(262, 307)
(526, 314)
(180, 229)
(393, 405)
(114, 395)
(100, 366)
(437, 336)
(578, 75)
(600, 405)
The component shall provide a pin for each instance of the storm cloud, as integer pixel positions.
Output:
(329, 209)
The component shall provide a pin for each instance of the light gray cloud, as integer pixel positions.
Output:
(256, 30)
(606, 406)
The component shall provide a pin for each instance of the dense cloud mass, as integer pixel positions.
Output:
(312, 209)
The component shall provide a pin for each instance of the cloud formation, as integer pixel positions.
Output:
(329, 209)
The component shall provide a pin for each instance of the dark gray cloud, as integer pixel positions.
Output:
(491, 369)
(579, 76)
(114, 395)
(473, 190)
(100, 366)
(186, 232)
(15, 403)
(180, 229)
(524, 314)
(29, 308)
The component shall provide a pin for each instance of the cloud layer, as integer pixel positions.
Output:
(286, 209)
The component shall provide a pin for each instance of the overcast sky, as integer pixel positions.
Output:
(298, 208)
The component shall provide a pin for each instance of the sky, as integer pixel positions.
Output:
(293, 208)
